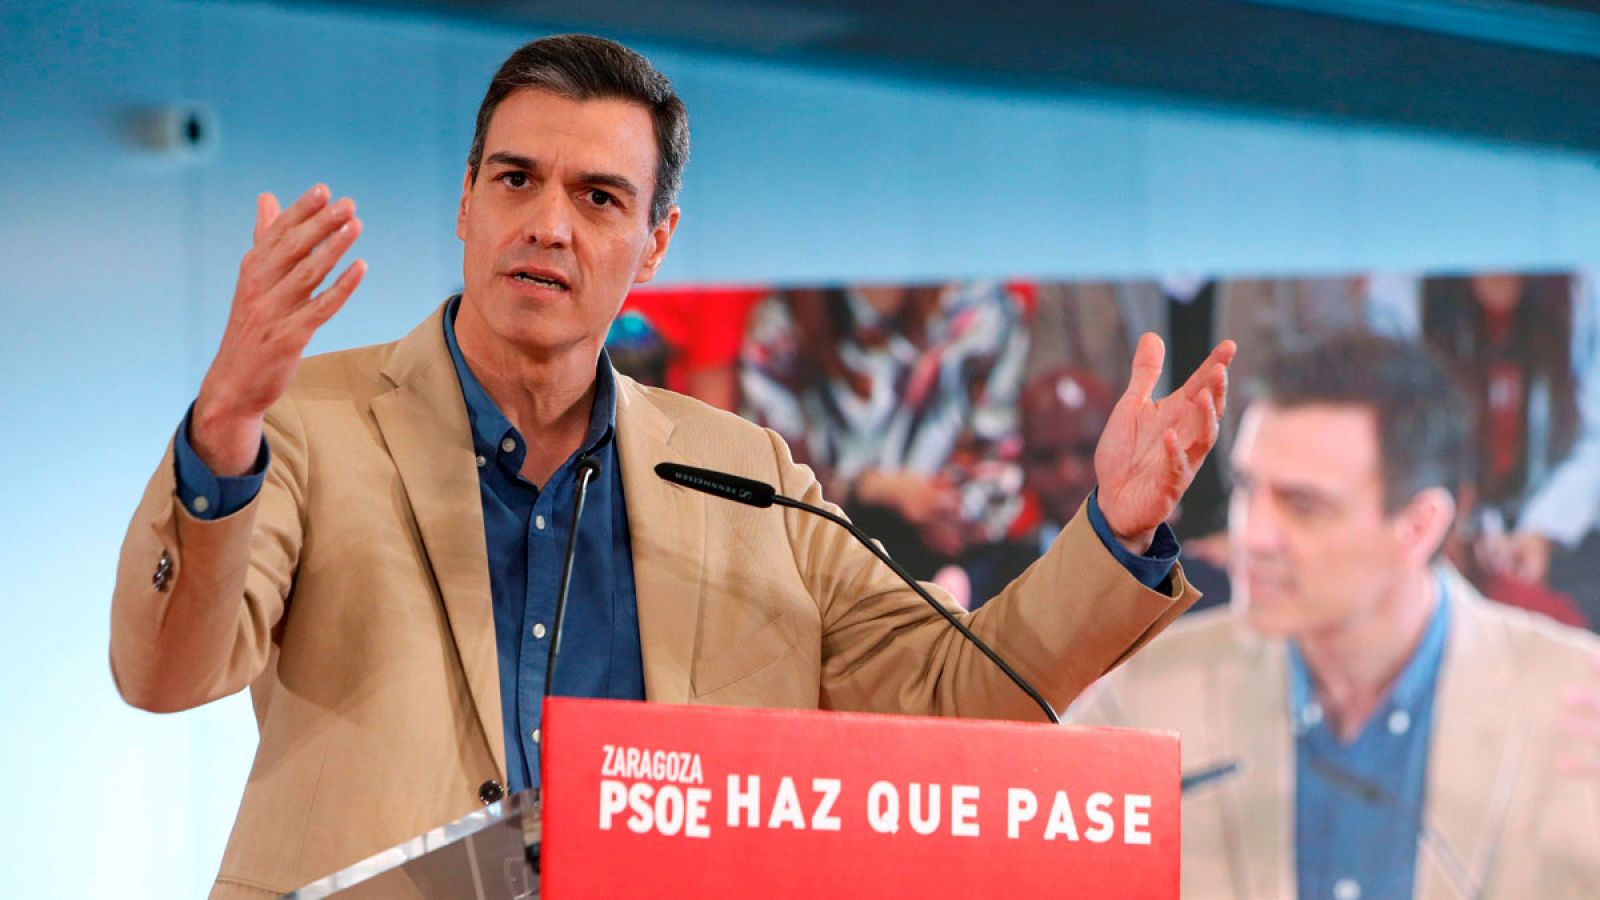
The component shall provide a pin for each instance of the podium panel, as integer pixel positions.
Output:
(681, 801)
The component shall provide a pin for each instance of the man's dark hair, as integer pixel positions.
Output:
(584, 67)
(1424, 421)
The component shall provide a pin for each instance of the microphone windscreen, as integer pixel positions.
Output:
(730, 487)
(590, 465)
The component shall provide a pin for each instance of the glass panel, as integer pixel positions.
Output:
(484, 855)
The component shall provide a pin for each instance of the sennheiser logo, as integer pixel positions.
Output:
(727, 490)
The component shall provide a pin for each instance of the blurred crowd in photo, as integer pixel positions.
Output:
(957, 422)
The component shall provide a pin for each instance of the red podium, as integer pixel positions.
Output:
(651, 800)
(679, 801)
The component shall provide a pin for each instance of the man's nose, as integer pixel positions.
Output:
(547, 218)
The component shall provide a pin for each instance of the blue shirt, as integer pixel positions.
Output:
(1155, 566)
(526, 528)
(1358, 806)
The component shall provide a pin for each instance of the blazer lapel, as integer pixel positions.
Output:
(667, 528)
(424, 423)
(1253, 705)
(1474, 751)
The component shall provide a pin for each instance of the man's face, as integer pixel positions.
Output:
(1310, 546)
(1063, 416)
(557, 225)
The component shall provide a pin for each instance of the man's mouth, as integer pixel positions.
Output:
(545, 281)
(1262, 582)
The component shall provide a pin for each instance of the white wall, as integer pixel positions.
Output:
(116, 269)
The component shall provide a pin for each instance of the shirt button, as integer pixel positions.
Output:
(1310, 715)
(1399, 722)
(536, 740)
(201, 504)
(509, 445)
(1346, 889)
(538, 522)
(538, 631)
(482, 462)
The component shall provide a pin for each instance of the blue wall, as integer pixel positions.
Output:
(116, 269)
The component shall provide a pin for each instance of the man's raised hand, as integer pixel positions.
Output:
(1151, 449)
(273, 317)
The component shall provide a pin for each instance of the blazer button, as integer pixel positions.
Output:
(490, 792)
(163, 572)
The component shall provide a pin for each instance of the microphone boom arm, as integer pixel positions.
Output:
(880, 553)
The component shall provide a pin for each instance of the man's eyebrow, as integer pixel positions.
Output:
(1295, 490)
(606, 179)
(611, 180)
(1303, 493)
(514, 160)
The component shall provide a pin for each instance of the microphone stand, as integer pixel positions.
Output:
(761, 495)
(588, 468)
(880, 553)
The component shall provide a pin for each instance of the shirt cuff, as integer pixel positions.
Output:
(205, 495)
(1155, 566)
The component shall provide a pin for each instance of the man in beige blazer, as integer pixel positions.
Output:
(353, 589)
(1347, 645)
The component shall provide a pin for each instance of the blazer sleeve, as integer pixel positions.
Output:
(196, 602)
(1070, 618)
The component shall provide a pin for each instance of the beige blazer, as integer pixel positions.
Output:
(352, 597)
(1503, 822)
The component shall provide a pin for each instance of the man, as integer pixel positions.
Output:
(1063, 412)
(1361, 722)
(371, 540)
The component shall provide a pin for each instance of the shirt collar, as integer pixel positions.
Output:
(490, 426)
(1410, 690)
(1416, 681)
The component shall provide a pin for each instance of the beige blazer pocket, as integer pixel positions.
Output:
(748, 656)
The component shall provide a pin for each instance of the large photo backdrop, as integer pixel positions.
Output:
(957, 421)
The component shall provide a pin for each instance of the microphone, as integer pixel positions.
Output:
(1373, 794)
(588, 468)
(1370, 793)
(1202, 777)
(760, 494)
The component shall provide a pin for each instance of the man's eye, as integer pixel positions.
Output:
(601, 198)
(1304, 507)
(515, 179)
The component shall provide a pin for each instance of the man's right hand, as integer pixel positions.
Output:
(273, 317)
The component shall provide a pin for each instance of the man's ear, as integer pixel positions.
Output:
(656, 249)
(1425, 522)
(461, 212)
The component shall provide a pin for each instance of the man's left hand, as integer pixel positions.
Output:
(1151, 449)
